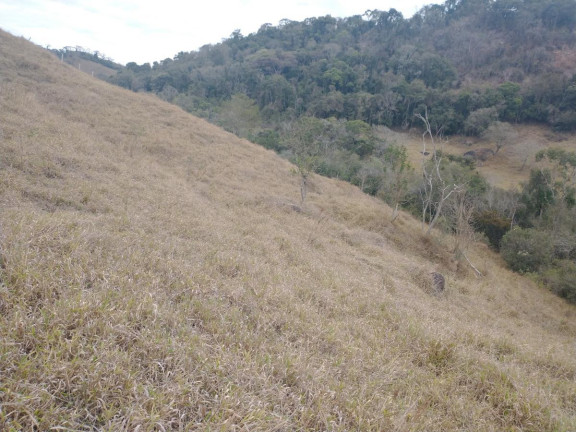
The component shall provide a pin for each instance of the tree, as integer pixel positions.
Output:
(370, 175)
(396, 176)
(561, 179)
(559, 168)
(435, 190)
(240, 115)
(478, 121)
(560, 13)
(461, 211)
(502, 134)
(537, 196)
(492, 225)
(512, 101)
(561, 279)
(303, 138)
(526, 250)
(275, 93)
(359, 138)
(565, 121)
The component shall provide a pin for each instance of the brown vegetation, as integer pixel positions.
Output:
(158, 274)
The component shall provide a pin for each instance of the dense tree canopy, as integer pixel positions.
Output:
(463, 58)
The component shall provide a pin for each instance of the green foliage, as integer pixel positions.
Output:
(461, 160)
(559, 14)
(493, 225)
(434, 70)
(501, 134)
(276, 94)
(557, 184)
(564, 158)
(240, 115)
(561, 279)
(511, 101)
(526, 250)
(397, 175)
(447, 115)
(380, 68)
(348, 167)
(449, 187)
(269, 139)
(459, 170)
(306, 140)
(480, 120)
(339, 76)
(477, 185)
(566, 121)
(538, 195)
(360, 138)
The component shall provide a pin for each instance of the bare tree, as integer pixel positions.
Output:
(436, 191)
(461, 211)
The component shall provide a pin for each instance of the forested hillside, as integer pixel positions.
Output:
(469, 61)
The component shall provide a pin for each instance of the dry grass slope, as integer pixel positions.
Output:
(157, 274)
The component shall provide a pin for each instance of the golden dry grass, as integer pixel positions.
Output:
(159, 274)
(90, 67)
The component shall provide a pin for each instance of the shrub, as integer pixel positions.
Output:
(526, 250)
(269, 139)
(493, 225)
(561, 279)
(566, 121)
(478, 121)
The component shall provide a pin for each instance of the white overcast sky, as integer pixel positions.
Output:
(148, 31)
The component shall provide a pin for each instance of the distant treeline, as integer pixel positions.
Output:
(78, 52)
(471, 62)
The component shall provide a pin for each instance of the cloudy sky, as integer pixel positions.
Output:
(147, 31)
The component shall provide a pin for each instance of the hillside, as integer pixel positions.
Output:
(489, 75)
(93, 63)
(159, 273)
(90, 67)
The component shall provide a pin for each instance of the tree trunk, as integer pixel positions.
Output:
(303, 188)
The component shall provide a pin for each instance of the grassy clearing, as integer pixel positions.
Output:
(159, 274)
(508, 168)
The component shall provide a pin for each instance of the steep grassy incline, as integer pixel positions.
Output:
(159, 274)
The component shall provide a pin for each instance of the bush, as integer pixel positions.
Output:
(566, 121)
(269, 139)
(493, 225)
(561, 279)
(478, 121)
(526, 250)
